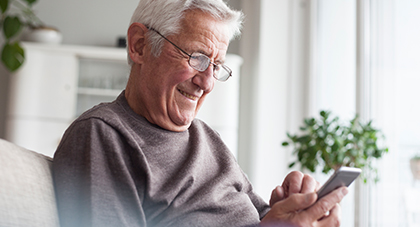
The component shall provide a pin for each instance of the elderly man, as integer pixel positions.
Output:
(143, 160)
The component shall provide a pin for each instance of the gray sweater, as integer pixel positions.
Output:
(114, 168)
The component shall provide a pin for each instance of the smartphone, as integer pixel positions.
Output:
(343, 176)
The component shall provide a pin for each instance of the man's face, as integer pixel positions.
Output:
(170, 92)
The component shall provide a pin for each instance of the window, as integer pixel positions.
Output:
(301, 56)
(391, 74)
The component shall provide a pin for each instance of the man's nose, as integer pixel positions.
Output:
(205, 80)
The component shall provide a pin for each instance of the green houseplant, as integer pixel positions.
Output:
(329, 143)
(15, 15)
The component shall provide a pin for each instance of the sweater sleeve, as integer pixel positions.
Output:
(261, 206)
(94, 178)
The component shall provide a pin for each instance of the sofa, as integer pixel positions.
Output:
(27, 196)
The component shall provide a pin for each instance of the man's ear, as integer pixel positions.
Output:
(136, 41)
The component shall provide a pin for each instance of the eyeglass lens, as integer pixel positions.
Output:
(201, 62)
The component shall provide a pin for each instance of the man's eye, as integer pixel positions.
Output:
(216, 67)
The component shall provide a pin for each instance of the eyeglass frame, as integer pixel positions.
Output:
(225, 67)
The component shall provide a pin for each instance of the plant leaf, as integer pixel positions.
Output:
(30, 2)
(12, 56)
(11, 26)
(4, 4)
(292, 164)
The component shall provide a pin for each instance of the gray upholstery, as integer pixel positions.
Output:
(26, 188)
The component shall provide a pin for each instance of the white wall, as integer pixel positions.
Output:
(87, 22)
(93, 22)
(336, 58)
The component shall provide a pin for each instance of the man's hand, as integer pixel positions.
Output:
(294, 210)
(295, 182)
(294, 202)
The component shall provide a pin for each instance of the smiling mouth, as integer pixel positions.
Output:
(192, 97)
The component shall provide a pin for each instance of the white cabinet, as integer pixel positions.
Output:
(46, 80)
(58, 83)
(44, 95)
(100, 80)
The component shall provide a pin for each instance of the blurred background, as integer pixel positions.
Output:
(295, 58)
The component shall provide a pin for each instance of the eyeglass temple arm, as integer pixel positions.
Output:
(152, 29)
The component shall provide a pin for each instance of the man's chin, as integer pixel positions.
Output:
(176, 124)
(177, 127)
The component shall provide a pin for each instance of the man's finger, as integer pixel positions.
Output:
(292, 184)
(296, 202)
(324, 205)
(276, 195)
(309, 184)
(334, 218)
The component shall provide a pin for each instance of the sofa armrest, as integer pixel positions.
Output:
(27, 196)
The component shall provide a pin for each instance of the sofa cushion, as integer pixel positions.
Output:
(26, 188)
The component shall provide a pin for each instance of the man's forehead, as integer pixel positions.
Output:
(203, 24)
(198, 19)
(200, 32)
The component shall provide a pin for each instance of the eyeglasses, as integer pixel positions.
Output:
(201, 62)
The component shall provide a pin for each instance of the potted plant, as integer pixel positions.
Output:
(15, 15)
(329, 143)
(415, 167)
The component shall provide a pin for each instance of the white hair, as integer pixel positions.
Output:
(165, 16)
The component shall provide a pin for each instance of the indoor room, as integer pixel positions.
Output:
(295, 64)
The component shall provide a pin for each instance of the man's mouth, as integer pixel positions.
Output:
(192, 97)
